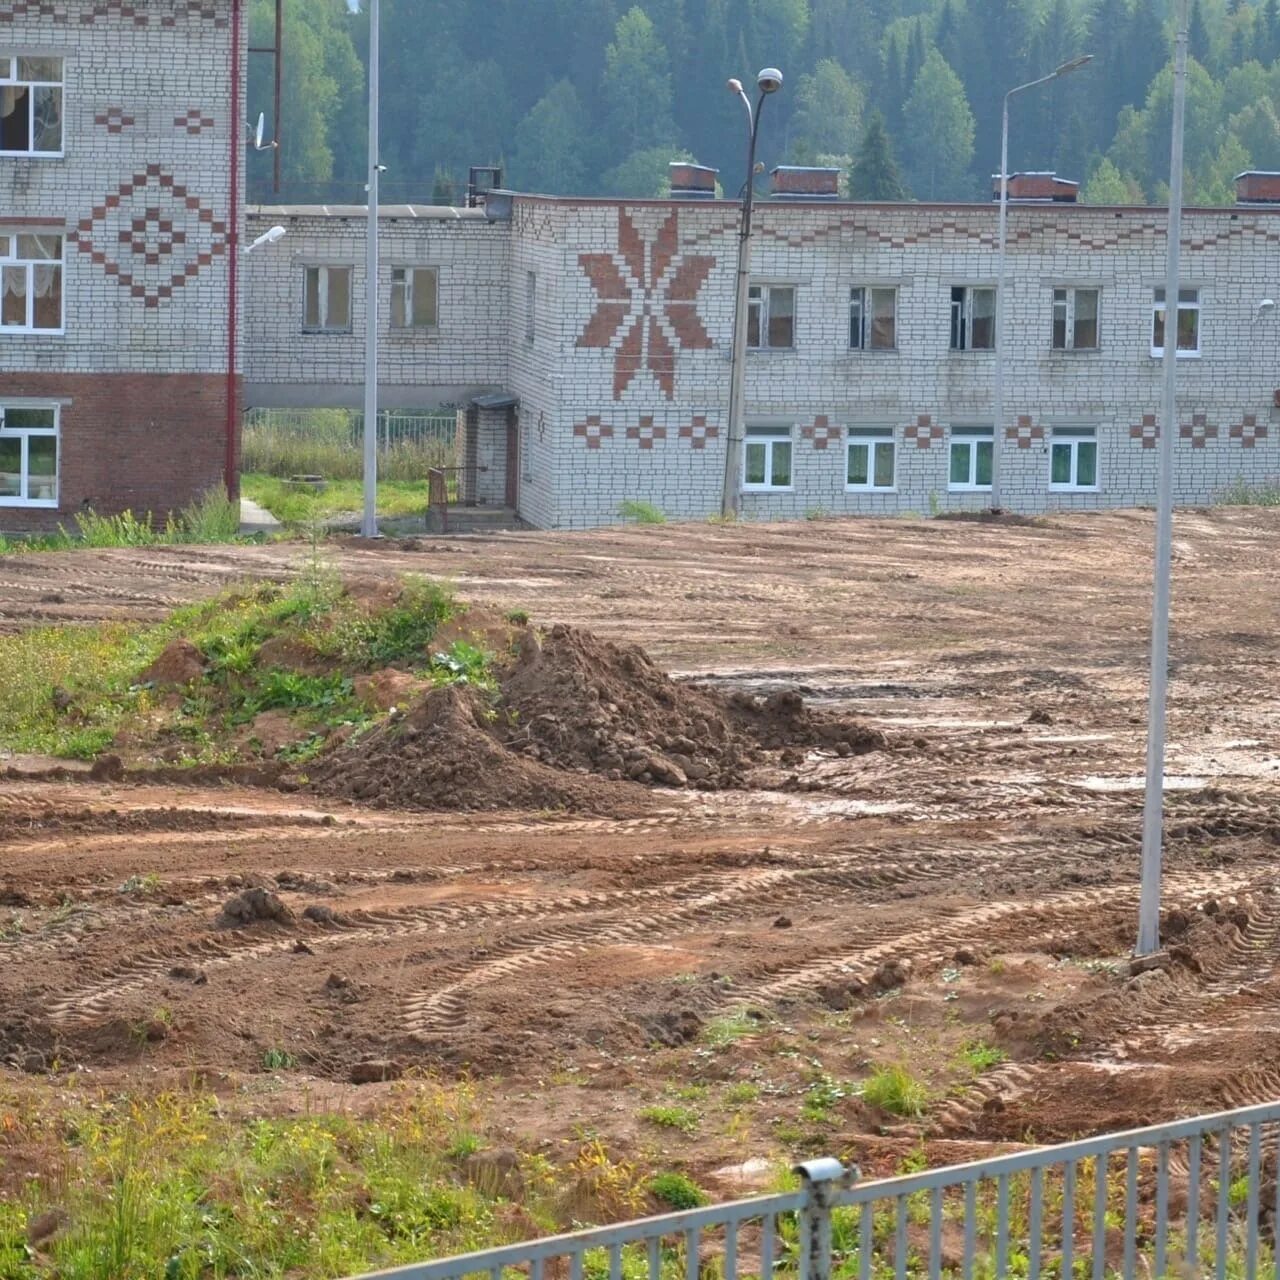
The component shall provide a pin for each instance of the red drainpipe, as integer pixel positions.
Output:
(229, 476)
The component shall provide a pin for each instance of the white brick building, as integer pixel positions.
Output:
(587, 340)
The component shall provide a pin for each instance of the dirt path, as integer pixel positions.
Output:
(975, 882)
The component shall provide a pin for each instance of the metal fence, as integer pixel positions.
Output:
(395, 427)
(1193, 1198)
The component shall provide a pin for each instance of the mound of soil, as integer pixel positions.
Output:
(178, 664)
(572, 704)
(576, 701)
(442, 754)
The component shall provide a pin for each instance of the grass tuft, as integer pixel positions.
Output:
(641, 512)
(684, 1119)
(895, 1090)
(677, 1191)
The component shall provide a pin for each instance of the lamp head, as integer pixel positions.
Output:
(353, 7)
(276, 233)
(769, 80)
(735, 85)
(1074, 65)
(1266, 306)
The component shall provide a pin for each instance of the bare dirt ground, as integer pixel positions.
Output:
(741, 954)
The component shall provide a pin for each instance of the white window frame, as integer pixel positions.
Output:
(970, 436)
(769, 435)
(10, 261)
(965, 331)
(861, 316)
(322, 295)
(9, 78)
(1193, 306)
(759, 299)
(1068, 307)
(870, 439)
(530, 306)
(24, 434)
(1074, 437)
(404, 278)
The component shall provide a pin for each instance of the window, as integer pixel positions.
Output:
(28, 456)
(971, 449)
(30, 283)
(1073, 458)
(771, 316)
(1188, 322)
(30, 105)
(873, 319)
(1075, 319)
(869, 458)
(327, 307)
(767, 458)
(413, 298)
(530, 305)
(973, 319)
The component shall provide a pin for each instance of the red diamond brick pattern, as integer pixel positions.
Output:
(1147, 431)
(1026, 433)
(158, 224)
(646, 433)
(1199, 431)
(593, 431)
(698, 432)
(115, 120)
(924, 431)
(822, 432)
(1248, 431)
(193, 122)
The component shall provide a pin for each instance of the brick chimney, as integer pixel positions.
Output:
(1258, 187)
(692, 181)
(1037, 188)
(800, 182)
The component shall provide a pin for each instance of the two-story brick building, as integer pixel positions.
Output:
(587, 341)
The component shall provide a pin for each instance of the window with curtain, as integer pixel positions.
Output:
(30, 105)
(31, 282)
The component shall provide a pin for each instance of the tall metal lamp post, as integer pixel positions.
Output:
(1153, 806)
(369, 519)
(998, 393)
(770, 81)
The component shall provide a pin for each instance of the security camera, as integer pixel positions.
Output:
(769, 80)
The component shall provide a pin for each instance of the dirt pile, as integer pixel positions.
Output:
(442, 754)
(570, 704)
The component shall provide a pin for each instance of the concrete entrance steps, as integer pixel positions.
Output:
(477, 520)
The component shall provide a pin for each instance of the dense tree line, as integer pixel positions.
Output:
(596, 96)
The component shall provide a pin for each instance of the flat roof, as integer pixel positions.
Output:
(441, 212)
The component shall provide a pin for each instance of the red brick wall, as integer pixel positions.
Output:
(143, 442)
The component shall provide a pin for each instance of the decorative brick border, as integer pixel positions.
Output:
(193, 122)
(1199, 431)
(822, 433)
(646, 433)
(1026, 433)
(140, 13)
(593, 431)
(1248, 431)
(924, 431)
(1147, 431)
(698, 432)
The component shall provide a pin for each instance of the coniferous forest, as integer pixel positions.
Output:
(594, 97)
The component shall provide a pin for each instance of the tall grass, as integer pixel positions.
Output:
(1240, 493)
(325, 442)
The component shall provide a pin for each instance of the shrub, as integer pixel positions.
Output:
(677, 1191)
(895, 1090)
(641, 512)
(685, 1119)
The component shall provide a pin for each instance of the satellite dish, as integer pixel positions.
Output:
(257, 133)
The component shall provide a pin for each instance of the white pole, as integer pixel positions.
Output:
(369, 523)
(1153, 810)
(998, 391)
(730, 499)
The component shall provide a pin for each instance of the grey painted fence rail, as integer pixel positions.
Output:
(1197, 1197)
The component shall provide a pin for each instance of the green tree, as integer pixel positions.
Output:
(636, 87)
(828, 111)
(875, 173)
(1107, 185)
(551, 144)
(643, 175)
(940, 130)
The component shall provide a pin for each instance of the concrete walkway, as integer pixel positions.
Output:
(256, 519)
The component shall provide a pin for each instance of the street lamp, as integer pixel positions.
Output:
(769, 81)
(998, 397)
(1157, 708)
(267, 237)
(369, 519)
